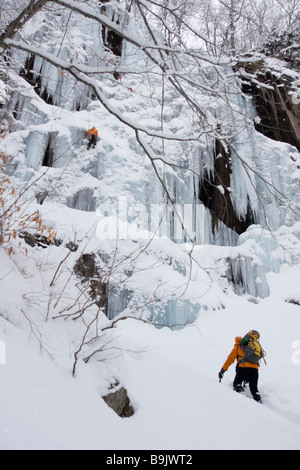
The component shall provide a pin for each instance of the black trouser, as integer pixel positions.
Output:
(247, 374)
(92, 141)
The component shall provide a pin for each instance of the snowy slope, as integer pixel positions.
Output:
(170, 376)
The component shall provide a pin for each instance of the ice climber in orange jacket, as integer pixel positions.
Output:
(247, 352)
(93, 133)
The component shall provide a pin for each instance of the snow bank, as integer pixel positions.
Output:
(170, 376)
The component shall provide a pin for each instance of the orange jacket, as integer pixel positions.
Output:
(92, 131)
(237, 354)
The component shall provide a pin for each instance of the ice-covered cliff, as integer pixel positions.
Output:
(236, 203)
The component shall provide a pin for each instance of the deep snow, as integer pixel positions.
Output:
(170, 376)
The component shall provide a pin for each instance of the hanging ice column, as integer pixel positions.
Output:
(265, 173)
(183, 221)
(58, 87)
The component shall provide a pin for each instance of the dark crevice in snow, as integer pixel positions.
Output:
(215, 194)
(34, 79)
(112, 40)
(49, 153)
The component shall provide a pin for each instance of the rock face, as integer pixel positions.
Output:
(276, 103)
(214, 193)
(119, 401)
(275, 90)
(275, 100)
(36, 239)
(280, 115)
(87, 269)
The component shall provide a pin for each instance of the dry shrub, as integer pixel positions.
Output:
(14, 215)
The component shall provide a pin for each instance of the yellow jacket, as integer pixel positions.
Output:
(238, 354)
(92, 131)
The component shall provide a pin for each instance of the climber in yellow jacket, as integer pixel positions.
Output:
(93, 133)
(247, 352)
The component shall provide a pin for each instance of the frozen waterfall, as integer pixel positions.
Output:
(158, 198)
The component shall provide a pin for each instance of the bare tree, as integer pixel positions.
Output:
(187, 71)
(290, 14)
(86, 287)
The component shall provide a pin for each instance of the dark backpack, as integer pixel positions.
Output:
(252, 349)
